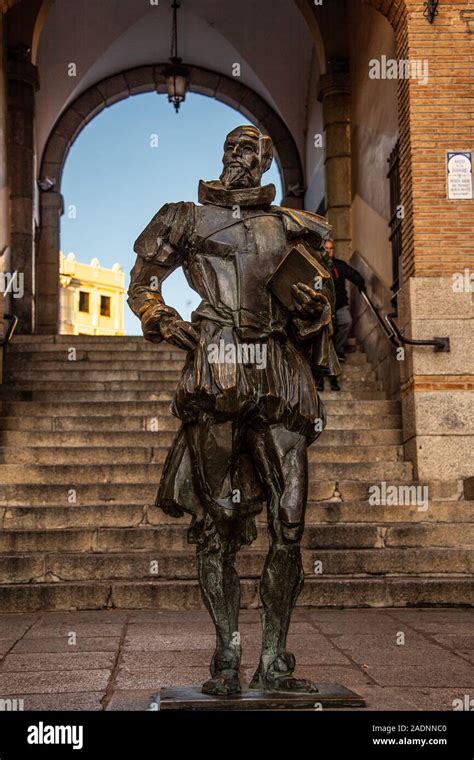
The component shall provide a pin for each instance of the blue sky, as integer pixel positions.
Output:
(117, 181)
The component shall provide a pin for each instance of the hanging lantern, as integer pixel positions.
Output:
(177, 77)
(176, 73)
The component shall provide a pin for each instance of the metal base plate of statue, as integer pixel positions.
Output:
(191, 698)
(247, 398)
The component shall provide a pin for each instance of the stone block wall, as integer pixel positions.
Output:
(4, 188)
(438, 388)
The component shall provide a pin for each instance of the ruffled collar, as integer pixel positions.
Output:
(215, 194)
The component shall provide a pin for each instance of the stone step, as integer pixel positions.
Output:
(34, 378)
(167, 426)
(340, 403)
(146, 565)
(57, 360)
(97, 350)
(86, 493)
(165, 370)
(77, 451)
(334, 406)
(106, 342)
(9, 394)
(70, 475)
(159, 422)
(145, 391)
(83, 395)
(102, 342)
(86, 378)
(335, 591)
(96, 431)
(82, 454)
(442, 506)
(366, 392)
(159, 369)
(163, 423)
(95, 353)
(172, 538)
(105, 362)
(109, 409)
(441, 514)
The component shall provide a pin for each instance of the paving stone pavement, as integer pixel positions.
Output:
(397, 659)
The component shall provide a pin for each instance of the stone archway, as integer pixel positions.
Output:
(107, 92)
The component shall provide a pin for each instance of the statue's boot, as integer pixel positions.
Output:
(225, 673)
(277, 675)
(221, 594)
(281, 583)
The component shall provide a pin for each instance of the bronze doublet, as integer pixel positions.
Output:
(228, 252)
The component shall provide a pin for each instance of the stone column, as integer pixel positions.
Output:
(22, 79)
(334, 94)
(51, 209)
(4, 188)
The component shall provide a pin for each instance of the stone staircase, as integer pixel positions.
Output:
(82, 443)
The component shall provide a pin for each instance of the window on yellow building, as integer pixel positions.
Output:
(105, 306)
(84, 301)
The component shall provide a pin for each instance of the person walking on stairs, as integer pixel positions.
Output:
(340, 271)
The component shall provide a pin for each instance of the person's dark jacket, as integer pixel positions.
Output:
(342, 271)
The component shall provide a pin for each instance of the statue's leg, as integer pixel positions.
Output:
(211, 447)
(220, 590)
(281, 458)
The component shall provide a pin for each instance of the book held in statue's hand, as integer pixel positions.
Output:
(299, 264)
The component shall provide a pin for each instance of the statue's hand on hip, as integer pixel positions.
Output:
(151, 320)
(179, 332)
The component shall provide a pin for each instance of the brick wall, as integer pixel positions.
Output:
(436, 389)
(434, 118)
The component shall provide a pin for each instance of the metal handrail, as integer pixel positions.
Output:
(13, 320)
(394, 335)
(376, 311)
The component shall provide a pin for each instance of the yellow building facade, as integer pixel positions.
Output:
(91, 298)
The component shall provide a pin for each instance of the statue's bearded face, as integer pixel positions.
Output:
(242, 161)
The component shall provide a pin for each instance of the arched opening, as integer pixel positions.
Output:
(112, 90)
(123, 167)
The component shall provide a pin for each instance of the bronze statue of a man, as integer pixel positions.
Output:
(246, 399)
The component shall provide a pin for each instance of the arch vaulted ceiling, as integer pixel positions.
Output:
(269, 39)
(151, 79)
